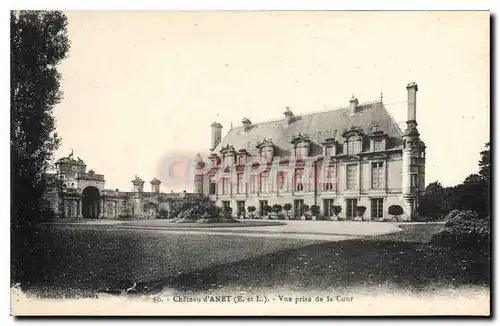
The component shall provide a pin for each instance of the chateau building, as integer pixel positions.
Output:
(74, 192)
(352, 156)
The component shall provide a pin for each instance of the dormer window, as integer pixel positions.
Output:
(353, 145)
(228, 159)
(229, 154)
(329, 147)
(302, 146)
(329, 151)
(241, 159)
(353, 140)
(378, 139)
(266, 150)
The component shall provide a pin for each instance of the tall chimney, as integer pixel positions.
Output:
(246, 123)
(216, 135)
(288, 115)
(412, 102)
(353, 103)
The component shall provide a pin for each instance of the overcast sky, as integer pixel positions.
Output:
(140, 85)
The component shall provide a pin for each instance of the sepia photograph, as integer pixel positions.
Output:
(250, 163)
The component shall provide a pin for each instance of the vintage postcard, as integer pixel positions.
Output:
(319, 163)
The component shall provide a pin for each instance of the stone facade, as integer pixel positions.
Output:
(75, 193)
(353, 156)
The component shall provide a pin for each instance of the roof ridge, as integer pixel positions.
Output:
(370, 102)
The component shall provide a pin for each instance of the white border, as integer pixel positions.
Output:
(184, 5)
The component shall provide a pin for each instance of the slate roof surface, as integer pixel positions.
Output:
(317, 126)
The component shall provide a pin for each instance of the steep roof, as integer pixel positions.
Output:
(317, 126)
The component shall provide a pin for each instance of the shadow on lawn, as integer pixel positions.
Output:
(403, 260)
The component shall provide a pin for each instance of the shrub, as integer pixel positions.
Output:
(268, 209)
(464, 229)
(315, 210)
(227, 212)
(287, 208)
(277, 208)
(163, 214)
(360, 210)
(251, 210)
(336, 210)
(395, 210)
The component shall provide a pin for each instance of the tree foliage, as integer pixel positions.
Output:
(473, 194)
(360, 210)
(38, 43)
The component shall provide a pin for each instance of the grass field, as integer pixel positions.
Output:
(99, 258)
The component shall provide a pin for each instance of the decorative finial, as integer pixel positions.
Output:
(71, 154)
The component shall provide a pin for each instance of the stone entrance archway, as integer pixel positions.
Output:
(91, 202)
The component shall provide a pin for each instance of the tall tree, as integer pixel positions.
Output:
(38, 43)
(432, 204)
(484, 163)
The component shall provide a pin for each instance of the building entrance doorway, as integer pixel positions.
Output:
(297, 207)
(90, 202)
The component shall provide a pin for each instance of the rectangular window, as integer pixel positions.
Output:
(377, 145)
(241, 160)
(282, 181)
(351, 208)
(264, 182)
(328, 178)
(241, 183)
(254, 183)
(298, 153)
(226, 185)
(226, 204)
(328, 207)
(353, 146)
(413, 180)
(211, 185)
(299, 182)
(329, 151)
(377, 207)
(350, 147)
(352, 176)
(378, 180)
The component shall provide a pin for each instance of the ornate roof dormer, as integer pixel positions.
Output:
(353, 131)
(265, 143)
(329, 141)
(300, 139)
(376, 132)
(228, 149)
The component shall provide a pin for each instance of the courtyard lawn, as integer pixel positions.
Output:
(401, 260)
(110, 258)
(93, 258)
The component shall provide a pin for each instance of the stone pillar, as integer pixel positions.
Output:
(79, 205)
